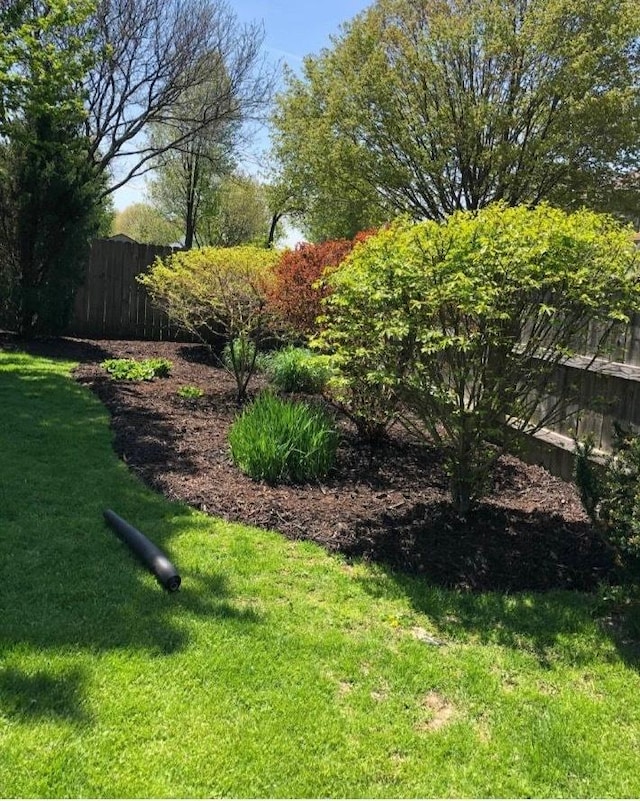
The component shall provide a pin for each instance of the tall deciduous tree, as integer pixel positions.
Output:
(154, 55)
(238, 213)
(429, 106)
(145, 223)
(187, 175)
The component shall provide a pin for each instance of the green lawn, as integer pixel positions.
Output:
(277, 670)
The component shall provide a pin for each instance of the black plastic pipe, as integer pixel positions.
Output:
(147, 552)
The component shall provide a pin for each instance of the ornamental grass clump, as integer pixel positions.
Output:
(282, 441)
(298, 370)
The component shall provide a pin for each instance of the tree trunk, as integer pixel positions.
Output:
(275, 219)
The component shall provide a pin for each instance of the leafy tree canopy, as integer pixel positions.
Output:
(145, 223)
(49, 194)
(44, 56)
(430, 106)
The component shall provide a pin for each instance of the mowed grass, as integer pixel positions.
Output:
(277, 670)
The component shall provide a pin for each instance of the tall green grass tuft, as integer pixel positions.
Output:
(298, 370)
(283, 441)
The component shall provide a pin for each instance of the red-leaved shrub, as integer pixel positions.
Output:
(294, 297)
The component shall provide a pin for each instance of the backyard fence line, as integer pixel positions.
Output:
(111, 304)
(607, 391)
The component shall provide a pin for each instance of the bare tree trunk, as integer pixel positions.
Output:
(275, 219)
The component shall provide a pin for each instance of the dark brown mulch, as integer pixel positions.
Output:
(386, 504)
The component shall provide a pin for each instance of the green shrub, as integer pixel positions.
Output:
(298, 370)
(214, 293)
(132, 370)
(190, 392)
(611, 494)
(278, 441)
(465, 322)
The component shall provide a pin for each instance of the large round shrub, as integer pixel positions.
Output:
(467, 321)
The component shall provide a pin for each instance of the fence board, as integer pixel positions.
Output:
(111, 304)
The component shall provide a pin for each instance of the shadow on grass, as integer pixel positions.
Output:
(77, 350)
(43, 695)
(550, 625)
(68, 581)
(526, 581)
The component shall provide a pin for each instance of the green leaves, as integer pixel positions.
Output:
(467, 319)
(45, 54)
(431, 107)
(132, 370)
(283, 441)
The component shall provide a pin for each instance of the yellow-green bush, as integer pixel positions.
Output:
(466, 321)
(216, 292)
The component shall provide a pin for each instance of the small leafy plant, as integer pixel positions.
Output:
(190, 393)
(239, 357)
(283, 441)
(611, 495)
(298, 370)
(133, 370)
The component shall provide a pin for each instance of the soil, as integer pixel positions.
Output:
(387, 504)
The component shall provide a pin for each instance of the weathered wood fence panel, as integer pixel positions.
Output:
(111, 304)
(609, 392)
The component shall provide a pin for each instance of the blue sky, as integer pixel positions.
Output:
(296, 29)
(293, 29)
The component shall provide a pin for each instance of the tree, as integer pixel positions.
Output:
(154, 55)
(145, 223)
(238, 213)
(49, 194)
(318, 182)
(466, 321)
(42, 58)
(217, 208)
(187, 174)
(429, 107)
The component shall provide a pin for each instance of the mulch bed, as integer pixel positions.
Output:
(387, 504)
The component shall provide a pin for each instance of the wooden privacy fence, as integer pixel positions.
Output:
(608, 392)
(111, 304)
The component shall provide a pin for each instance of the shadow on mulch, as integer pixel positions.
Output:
(198, 354)
(494, 549)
